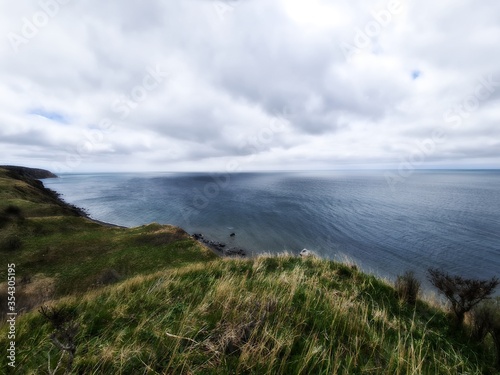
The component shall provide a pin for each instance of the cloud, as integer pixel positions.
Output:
(198, 84)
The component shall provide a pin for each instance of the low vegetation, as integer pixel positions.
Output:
(59, 252)
(462, 293)
(408, 287)
(150, 300)
(269, 315)
(485, 324)
(63, 337)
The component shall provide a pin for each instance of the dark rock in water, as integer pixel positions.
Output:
(233, 234)
(235, 251)
(219, 247)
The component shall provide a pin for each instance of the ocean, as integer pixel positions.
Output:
(446, 219)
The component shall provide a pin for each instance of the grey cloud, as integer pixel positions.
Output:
(230, 77)
(27, 138)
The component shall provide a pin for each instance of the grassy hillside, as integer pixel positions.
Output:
(270, 315)
(58, 252)
(175, 308)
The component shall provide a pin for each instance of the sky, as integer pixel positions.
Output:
(216, 85)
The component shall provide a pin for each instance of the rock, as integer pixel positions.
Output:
(235, 251)
(232, 234)
(306, 253)
(220, 247)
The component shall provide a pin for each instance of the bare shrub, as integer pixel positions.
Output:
(462, 293)
(407, 287)
(63, 337)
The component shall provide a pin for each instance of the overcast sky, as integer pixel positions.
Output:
(249, 84)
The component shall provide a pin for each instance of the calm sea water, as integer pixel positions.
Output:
(448, 219)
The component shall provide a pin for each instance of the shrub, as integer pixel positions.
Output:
(64, 335)
(481, 319)
(486, 319)
(4, 220)
(11, 243)
(463, 294)
(495, 333)
(407, 287)
(108, 277)
(494, 325)
(12, 210)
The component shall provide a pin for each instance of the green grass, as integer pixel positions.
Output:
(178, 309)
(279, 315)
(53, 243)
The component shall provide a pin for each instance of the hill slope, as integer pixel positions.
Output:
(58, 251)
(29, 173)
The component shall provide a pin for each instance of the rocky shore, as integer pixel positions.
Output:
(220, 247)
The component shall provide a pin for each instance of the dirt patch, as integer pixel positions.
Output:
(31, 292)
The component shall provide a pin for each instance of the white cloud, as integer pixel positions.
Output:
(238, 67)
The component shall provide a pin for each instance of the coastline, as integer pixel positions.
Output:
(81, 212)
(217, 248)
(338, 215)
(35, 178)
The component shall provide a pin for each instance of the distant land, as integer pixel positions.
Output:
(35, 173)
